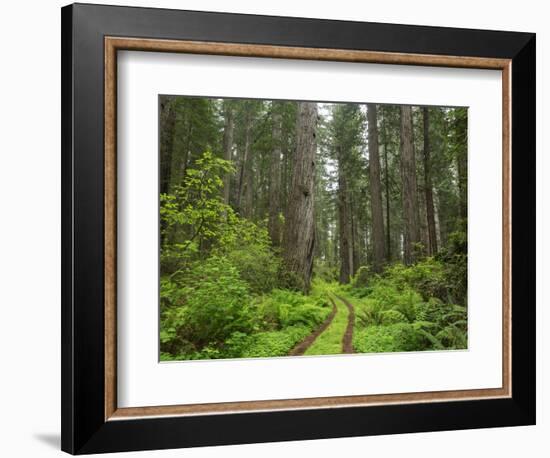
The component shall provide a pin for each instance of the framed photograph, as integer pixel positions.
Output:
(283, 228)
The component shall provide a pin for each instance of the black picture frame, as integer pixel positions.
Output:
(84, 429)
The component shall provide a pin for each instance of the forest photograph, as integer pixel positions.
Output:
(299, 228)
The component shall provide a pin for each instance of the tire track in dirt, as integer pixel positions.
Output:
(347, 341)
(302, 347)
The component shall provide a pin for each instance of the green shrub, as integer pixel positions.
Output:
(197, 224)
(362, 277)
(391, 338)
(455, 261)
(214, 303)
(171, 294)
(282, 319)
(369, 312)
(290, 280)
(427, 277)
(392, 317)
(257, 266)
(248, 246)
(453, 336)
(439, 312)
(409, 308)
(283, 308)
(194, 214)
(308, 315)
(272, 343)
(325, 272)
(388, 296)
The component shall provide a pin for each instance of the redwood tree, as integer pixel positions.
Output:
(408, 180)
(428, 187)
(346, 246)
(274, 225)
(227, 144)
(299, 233)
(375, 191)
(167, 131)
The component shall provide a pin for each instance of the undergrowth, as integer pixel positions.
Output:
(407, 308)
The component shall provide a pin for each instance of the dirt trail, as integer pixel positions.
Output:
(301, 348)
(347, 341)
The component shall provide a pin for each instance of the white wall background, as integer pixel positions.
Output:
(30, 227)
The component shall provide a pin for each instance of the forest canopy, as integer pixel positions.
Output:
(292, 228)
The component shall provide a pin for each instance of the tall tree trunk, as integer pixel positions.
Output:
(229, 125)
(299, 234)
(167, 134)
(346, 249)
(438, 236)
(387, 191)
(248, 191)
(274, 224)
(354, 242)
(336, 245)
(462, 165)
(285, 179)
(428, 187)
(408, 178)
(423, 236)
(167, 130)
(243, 203)
(378, 253)
(180, 158)
(186, 152)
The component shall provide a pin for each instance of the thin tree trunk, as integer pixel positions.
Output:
(167, 130)
(229, 124)
(378, 253)
(186, 151)
(462, 166)
(299, 234)
(242, 201)
(387, 186)
(423, 236)
(354, 264)
(285, 179)
(428, 187)
(408, 178)
(167, 134)
(248, 191)
(336, 245)
(439, 238)
(346, 261)
(274, 224)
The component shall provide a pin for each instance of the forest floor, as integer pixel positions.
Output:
(335, 335)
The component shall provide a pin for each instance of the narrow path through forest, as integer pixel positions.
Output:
(334, 336)
(347, 342)
(300, 349)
